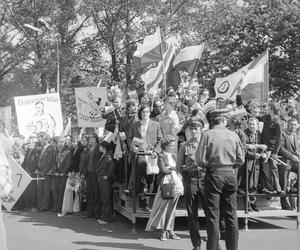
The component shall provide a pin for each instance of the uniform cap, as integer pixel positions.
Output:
(195, 121)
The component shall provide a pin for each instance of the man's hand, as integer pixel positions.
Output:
(295, 159)
(135, 149)
(153, 154)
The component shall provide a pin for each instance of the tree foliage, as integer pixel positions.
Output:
(96, 41)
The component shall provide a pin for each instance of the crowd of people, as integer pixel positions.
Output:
(205, 146)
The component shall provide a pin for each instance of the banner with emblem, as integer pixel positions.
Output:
(5, 117)
(251, 81)
(39, 113)
(90, 102)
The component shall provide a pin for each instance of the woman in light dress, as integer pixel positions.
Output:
(163, 210)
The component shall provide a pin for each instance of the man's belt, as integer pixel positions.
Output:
(194, 174)
(220, 167)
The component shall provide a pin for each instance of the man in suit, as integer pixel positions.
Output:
(30, 164)
(290, 155)
(144, 135)
(46, 165)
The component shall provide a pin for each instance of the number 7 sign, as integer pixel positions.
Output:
(20, 182)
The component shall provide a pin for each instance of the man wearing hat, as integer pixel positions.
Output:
(220, 151)
(193, 177)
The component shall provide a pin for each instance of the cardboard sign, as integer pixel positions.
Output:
(39, 113)
(20, 182)
(90, 102)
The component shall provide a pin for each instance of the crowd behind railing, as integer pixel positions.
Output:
(77, 175)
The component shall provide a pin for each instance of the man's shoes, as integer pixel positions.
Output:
(255, 208)
(173, 236)
(127, 192)
(163, 237)
(241, 191)
(59, 215)
(287, 207)
(267, 191)
(146, 209)
(102, 222)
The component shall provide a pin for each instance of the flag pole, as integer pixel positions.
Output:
(193, 72)
(163, 63)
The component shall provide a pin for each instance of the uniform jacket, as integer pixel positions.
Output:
(153, 136)
(47, 161)
(106, 166)
(186, 160)
(163, 163)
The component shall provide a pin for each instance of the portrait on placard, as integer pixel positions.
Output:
(90, 102)
(39, 113)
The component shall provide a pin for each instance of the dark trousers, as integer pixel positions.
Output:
(106, 199)
(44, 192)
(93, 196)
(58, 189)
(30, 194)
(143, 180)
(220, 194)
(193, 193)
(269, 177)
(283, 180)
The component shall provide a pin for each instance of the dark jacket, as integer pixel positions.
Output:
(76, 157)
(163, 164)
(271, 133)
(47, 161)
(288, 147)
(111, 120)
(83, 161)
(30, 163)
(106, 166)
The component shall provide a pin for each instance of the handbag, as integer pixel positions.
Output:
(152, 167)
(167, 187)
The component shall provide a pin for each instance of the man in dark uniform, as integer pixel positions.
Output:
(193, 177)
(220, 151)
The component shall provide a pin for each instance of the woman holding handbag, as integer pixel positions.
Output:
(163, 210)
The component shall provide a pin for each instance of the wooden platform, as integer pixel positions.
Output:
(269, 206)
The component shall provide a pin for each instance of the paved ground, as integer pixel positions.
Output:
(44, 231)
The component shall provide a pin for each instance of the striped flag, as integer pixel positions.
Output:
(187, 58)
(251, 81)
(148, 52)
(154, 76)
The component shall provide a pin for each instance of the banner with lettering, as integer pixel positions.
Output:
(39, 113)
(5, 117)
(90, 102)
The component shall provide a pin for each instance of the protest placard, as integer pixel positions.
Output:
(90, 102)
(39, 113)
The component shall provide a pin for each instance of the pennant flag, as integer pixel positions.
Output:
(148, 52)
(187, 58)
(154, 76)
(251, 81)
(67, 129)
